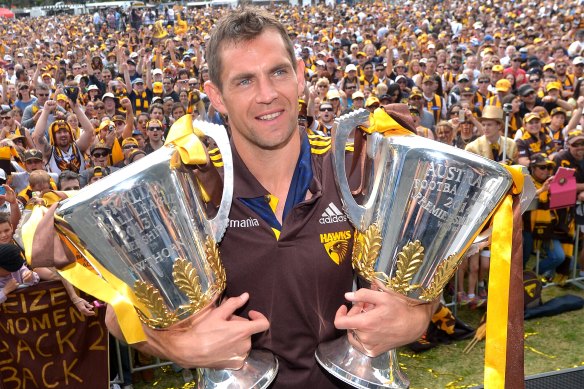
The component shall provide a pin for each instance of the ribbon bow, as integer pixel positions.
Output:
(185, 138)
(380, 121)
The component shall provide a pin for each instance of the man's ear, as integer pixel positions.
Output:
(215, 96)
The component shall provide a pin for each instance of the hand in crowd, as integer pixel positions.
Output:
(9, 196)
(84, 307)
(126, 103)
(50, 106)
(10, 286)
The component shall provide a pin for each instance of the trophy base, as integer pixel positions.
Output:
(258, 372)
(349, 365)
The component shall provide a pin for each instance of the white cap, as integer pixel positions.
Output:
(7, 58)
(320, 62)
(92, 87)
(156, 71)
(350, 67)
(578, 61)
(357, 95)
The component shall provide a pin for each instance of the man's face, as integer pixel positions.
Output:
(167, 84)
(139, 87)
(428, 88)
(576, 148)
(533, 126)
(260, 91)
(326, 115)
(109, 104)
(5, 233)
(561, 68)
(42, 97)
(529, 98)
(155, 132)
(33, 164)
(99, 157)
(491, 128)
(62, 138)
(157, 114)
(368, 70)
(72, 184)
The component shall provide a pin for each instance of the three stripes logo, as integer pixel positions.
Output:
(332, 215)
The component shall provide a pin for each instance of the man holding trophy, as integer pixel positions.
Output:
(146, 239)
(287, 250)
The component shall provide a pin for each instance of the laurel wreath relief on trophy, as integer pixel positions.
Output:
(187, 281)
(366, 250)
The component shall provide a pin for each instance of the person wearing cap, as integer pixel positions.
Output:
(63, 151)
(24, 97)
(541, 223)
(482, 94)
(553, 97)
(9, 126)
(558, 119)
(358, 99)
(462, 81)
(95, 174)
(416, 100)
(533, 139)
(141, 93)
(13, 271)
(100, 154)
(435, 104)
(337, 99)
(503, 89)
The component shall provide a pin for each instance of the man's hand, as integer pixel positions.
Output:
(50, 105)
(382, 320)
(126, 103)
(213, 338)
(10, 286)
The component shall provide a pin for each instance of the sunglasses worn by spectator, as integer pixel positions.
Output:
(484, 81)
(577, 144)
(4, 117)
(534, 80)
(100, 155)
(129, 147)
(326, 109)
(42, 94)
(154, 129)
(544, 167)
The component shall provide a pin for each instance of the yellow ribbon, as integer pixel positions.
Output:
(380, 121)
(185, 138)
(499, 279)
(109, 288)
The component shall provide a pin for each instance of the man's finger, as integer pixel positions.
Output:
(364, 295)
(229, 306)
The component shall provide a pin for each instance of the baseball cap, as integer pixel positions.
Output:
(157, 87)
(129, 140)
(550, 66)
(578, 61)
(371, 100)
(525, 90)
(333, 94)
(574, 136)
(33, 154)
(530, 116)
(558, 111)
(416, 92)
(540, 159)
(99, 146)
(156, 71)
(503, 85)
(92, 87)
(497, 68)
(358, 95)
(462, 77)
(106, 95)
(553, 85)
(350, 67)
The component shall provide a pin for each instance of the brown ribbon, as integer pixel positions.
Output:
(514, 375)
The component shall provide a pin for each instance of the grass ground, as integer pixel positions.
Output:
(551, 343)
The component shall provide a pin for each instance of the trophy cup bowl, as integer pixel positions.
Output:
(422, 206)
(153, 227)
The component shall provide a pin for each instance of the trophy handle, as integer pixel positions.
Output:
(219, 134)
(345, 124)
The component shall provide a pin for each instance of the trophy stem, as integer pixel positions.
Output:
(348, 364)
(258, 372)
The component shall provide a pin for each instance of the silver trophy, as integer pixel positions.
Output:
(154, 226)
(422, 205)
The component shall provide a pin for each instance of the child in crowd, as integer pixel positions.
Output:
(13, 271)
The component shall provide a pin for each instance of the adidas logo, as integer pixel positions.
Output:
(332, 215)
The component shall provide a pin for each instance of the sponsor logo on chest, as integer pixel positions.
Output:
(332, 214)
(244, 223)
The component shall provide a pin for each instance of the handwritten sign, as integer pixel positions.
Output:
(45, 342)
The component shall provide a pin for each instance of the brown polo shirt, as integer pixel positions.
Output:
(297, 280)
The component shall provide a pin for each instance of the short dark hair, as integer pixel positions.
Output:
(5, 218)
(242, 25)
(67, 175)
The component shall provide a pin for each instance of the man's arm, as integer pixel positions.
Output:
(87, 135)
(10, 198)
(38, 136)
(129, 127)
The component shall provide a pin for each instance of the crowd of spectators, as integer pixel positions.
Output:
(83, 96)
